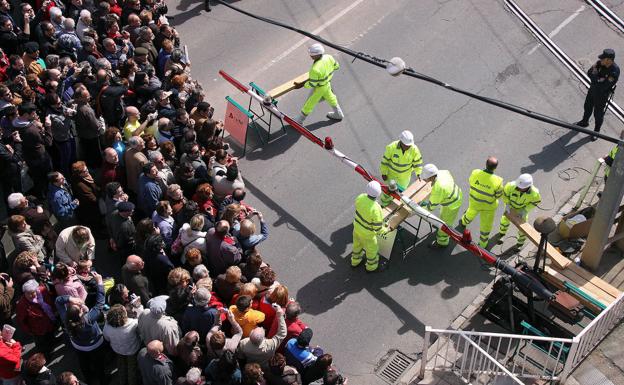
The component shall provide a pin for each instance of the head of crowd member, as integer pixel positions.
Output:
(85, 17)
(140, 55)
(252, 373)
(267, 277)
(233, 274)
(197, 222)
(163, 208)
(125, 209)
(178, 277)
(162, 97)
(607, 57)
(61, 272)
(80, 170)
(491, 163)
(84, 267)
(6, 94)
(5, 6)
(26, 261)
(35, 365)
(192, 151)
(247, 228)
(113, 190)
(17, 224)
(69, 25)
(217, 340)
(112, 136)
(134, 263)
(136, 143)
(293, 310)
(201, 297)
(111, 156)
(204, 192)
(200, 273)
(174, 192)
(155, 349)
(5, 24)
(150, 142)
(222, 228)
(80, 235)
(193, 256)
(164, 124)
(277, 363)
(150, 170)
(243, 303)
(232, 213)
(17, 201)
(56, 178)
(56, 15)
(231, 173)
(117, 316)
(30, 289)
(158, 159)
(132, 114)
(67, 378)
(279, 295)
(109, 45)
(157, 306)
(118, 294)
(134, 21)
(168, 150)
(248, 289)
(205, 282)
(406, 140)
(194, 376)
(205, 110)
(82, 96)
(27, 112)
(145, 228)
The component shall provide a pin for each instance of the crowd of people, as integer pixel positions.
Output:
(107, 140)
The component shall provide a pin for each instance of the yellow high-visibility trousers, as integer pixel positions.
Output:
(319, 93)
(365, 243)
(504, 226)
(486, 221)
(448, 216)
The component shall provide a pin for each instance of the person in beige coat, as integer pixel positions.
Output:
(75, 243)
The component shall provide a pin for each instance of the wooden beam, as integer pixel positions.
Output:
(396, 212)
(589, 287)
(596, 281)
(288, 86)
(534, 236)
(557, 280)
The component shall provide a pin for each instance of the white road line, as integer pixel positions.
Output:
(315, 32)
(560, 27)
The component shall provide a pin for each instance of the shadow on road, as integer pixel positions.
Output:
(553, 154)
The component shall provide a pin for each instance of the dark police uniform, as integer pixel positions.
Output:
(603, 81)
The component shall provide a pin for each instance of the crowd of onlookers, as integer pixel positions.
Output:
(107, 140)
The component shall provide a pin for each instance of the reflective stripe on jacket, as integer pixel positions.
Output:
(485, 190)
(519, 200)
(368, 216)
(322, 71)
(397, 162)
(444, 191)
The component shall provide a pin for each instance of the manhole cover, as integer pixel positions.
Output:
(393, 366)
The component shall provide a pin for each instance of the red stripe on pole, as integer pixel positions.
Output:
(241, 87)
(303, 131)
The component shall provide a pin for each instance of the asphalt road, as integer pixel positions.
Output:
(307, 197)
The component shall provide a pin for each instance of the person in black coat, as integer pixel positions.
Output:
(34, 371)
(157, 263)
(10, 41)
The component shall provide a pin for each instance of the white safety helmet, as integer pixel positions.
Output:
(373, 189)
(407, 138)
(316, 49)
(428, 171)
(524, 181)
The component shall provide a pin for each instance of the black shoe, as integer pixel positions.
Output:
(460, 227)
(436, 245)
(581, 123)
(381, 266)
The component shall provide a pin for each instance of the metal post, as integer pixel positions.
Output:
(423, 357)
(606, 212)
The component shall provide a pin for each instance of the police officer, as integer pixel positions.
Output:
(603, 75)
(444, 193)
(521, 196)
(367, 224)
(319, 80)
(486, 188)
(400, 159)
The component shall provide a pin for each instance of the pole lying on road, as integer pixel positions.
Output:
(464, 239)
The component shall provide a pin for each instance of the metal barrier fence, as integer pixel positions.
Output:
(472, 354)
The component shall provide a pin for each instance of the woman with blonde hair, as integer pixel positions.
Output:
(192, 236)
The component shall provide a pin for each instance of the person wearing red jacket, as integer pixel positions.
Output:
(35, 315)
(10, 361)
(294, 326)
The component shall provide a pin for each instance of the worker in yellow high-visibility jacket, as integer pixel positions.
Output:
(319, 81)
(444, 193)
(367, 224)
(521, 196)
(486, 188)
(400, 159)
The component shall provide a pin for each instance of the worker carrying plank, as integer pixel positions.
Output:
(444, 193)
(367, 224)
(486, 188)
(319, 81)
(400, 159)
(523, 197)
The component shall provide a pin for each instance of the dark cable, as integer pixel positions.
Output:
(379, 62)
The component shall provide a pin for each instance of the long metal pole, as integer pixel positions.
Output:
(606, 212)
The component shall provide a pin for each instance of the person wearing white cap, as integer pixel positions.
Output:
(367, 224)
(444, 193)
(319, 81)
(401, 158)
(521, 196)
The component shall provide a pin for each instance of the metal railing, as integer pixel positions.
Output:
(473, 354)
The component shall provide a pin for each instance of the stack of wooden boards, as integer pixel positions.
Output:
(288, 86)
(562, 272)
(396, 212)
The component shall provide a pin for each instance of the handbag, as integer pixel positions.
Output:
(27, 182)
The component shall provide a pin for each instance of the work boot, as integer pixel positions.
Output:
(436, 245)
(582, 123)
(500, 239)
(460, 227)
(381, 266)
(336, 114)
(301, 118)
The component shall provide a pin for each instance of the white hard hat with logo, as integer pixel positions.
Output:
(428, 171)
(524, 181)
(373, 189)
(407, 138)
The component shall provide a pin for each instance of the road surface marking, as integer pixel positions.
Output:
(315, 32)
(559, 27)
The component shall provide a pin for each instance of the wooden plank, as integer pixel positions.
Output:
(597, 281)
(586, 285)
(288, 86)
(534, 236)
(557, 280)
(395, 213)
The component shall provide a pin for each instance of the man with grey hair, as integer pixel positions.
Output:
(135, 160)
(113, 53)
(165, 175)
(193, 377)
(154, 324)
(84, 22)
(201, 316)
(200, 272)
(56, 18)
(256, 348)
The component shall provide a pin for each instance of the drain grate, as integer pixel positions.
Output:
(393, 366)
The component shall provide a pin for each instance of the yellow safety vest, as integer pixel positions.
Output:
(519, 200)
(368, 216)
(612, 153)
(485, 190)
(396, 162)
(322, 71)
(444, 191)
